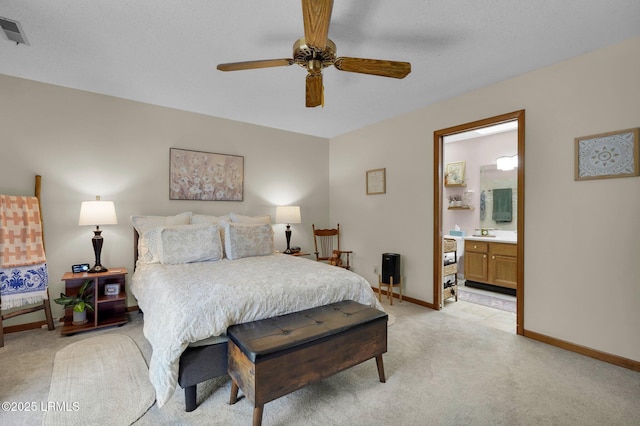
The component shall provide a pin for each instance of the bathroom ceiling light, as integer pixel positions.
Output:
(507, 163)
(498, 128)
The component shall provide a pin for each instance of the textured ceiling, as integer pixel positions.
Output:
(165, 52)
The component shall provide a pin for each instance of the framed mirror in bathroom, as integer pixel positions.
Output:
(492, 179)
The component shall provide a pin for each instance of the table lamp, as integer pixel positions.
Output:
(288, 215)
(97, 213)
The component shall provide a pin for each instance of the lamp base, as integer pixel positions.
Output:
(287, 234)
(97, 269)
(96, 241)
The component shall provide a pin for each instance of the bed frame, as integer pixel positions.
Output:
(197, 363)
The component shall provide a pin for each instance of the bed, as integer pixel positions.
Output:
(196, 275)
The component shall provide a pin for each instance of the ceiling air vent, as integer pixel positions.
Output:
(13, 31)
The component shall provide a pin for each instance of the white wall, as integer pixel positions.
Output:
(85, 144)
(581, 238)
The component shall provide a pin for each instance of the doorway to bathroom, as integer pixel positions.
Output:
(479, 203)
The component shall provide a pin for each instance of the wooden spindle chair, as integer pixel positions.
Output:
(327, 243)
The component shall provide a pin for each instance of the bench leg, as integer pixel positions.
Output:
(190, 398)
(380, 365)
(257, 415)
(234, 393)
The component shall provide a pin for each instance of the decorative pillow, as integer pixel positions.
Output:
(146, 223)
(238, 218)
(190, 243)
(247, 240)
(218, 220)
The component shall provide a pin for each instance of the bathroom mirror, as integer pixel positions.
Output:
(491, 179)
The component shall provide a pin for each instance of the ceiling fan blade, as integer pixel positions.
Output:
(248, 65)
(374, 66)
(316, 15)
(314, 90)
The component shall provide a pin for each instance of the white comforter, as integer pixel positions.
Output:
(190, 302)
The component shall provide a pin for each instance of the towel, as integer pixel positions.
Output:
(502, 205)
(23, 285)
(23, 267)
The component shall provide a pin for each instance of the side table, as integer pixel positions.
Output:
(109, 309)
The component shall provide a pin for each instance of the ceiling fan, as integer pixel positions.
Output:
(315, 51)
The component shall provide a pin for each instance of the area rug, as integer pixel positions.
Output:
(487, 300)
(102, 380)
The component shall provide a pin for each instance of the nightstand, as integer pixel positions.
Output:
(109, 309)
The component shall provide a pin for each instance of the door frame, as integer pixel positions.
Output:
(438, 185)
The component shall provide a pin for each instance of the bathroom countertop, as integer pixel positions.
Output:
(497, 239)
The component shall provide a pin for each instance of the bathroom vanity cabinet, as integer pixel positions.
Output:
(491, 263)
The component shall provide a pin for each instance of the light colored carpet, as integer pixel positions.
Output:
(102, 380)
(442, 369)
(391, 320)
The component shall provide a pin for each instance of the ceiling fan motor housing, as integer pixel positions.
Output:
(312, 57)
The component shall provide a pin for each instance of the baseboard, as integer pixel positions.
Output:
(408, 299)
(572, 347)
(28, 326)
(583, 350)
(39, 324)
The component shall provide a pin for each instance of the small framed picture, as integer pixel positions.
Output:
(376, 181)
(111, 289)
(454, 173)
(607, 155)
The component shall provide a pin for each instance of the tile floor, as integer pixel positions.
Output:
(494, 318)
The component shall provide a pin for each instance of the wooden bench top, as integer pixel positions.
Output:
(259, 340)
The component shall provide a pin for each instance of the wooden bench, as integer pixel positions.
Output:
(273, 357)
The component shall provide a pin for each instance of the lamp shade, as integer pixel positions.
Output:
(97, 213)
(288, 214)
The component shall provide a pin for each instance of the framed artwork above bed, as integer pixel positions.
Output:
(208, 176)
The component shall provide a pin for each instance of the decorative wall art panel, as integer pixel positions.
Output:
(607, 155)
(196, 175)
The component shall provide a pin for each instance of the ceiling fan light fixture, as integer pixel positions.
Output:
(315, 51)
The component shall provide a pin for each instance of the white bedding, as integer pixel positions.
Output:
(189, 302)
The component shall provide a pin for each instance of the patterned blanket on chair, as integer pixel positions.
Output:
(23, 268)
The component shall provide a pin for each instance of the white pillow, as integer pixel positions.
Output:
(203, 218)
(238, 218)
(149, 246)
(190, 243)
(247, 240)
(146, 223)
